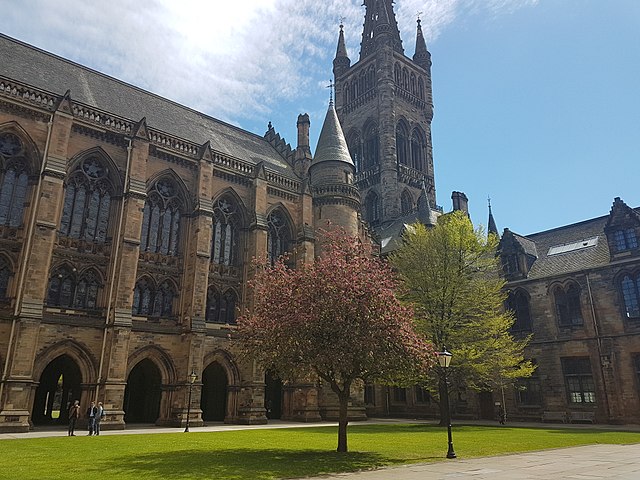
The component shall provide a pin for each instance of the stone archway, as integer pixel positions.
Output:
(59, 385)
(143, 393)
(215, 387)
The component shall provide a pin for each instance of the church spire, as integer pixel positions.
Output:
(342, 61)
(422, 57)
(332, 146)
(492, 223)
(380, 28)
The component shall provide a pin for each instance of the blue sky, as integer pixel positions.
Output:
(537, 102)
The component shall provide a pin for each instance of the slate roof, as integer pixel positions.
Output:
(30, 65)
(546, 265)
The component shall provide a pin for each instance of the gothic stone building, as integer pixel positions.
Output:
(128, 224)
(576, 290)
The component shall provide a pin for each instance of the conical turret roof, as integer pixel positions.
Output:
(332, 145)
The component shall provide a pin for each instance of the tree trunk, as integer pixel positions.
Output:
(342, 422)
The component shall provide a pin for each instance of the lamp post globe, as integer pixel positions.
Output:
(444, 360)
(192, 379)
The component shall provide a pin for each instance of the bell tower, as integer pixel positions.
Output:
(384, 103)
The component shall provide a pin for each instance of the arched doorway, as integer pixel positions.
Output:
(273, 396)
(214, 393)
(142, 393)
(59, 386)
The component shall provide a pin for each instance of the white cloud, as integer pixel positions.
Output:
(235, 60)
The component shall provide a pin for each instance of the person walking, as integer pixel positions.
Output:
(91, 417)
(99, 416)
(74, 413)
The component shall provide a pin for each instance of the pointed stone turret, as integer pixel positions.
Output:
(492, 228)
(332, 145)
(331, 174)
(422, 57)
(380, 28)
(426, 215)
(342, 61)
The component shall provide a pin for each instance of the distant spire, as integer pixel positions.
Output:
(380, 25)
(342, 61)
(422, 57)
(425, 214)
(332, 145)
(492, 223)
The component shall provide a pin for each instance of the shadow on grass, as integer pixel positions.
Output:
(241, 464)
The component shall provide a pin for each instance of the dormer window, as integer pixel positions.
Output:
(625, 239)
(511, 264)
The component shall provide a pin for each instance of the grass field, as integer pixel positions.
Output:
(270, 454)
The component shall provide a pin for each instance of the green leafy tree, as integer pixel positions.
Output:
(337, 317)
(450, 274)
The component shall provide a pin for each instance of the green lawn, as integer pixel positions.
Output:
(269, 454)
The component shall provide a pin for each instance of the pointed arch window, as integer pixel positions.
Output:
(151, 301)
(226, 241)
(420, 88)
(221, 308)
(631, 295)
(15, 180)
(5, 276)
(406, 203)
(568, 307)
(68, 290)
(355, 150)
(417, 150)
(87, 201)
(372, 208)
(402, 144)
(161, 220)
(518, 302)
(278, 235)
(371, 149)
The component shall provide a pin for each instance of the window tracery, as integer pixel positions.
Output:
(355, 150)
(161, 220)
(15, 180)
(568, 307)
(221, 308)
(278, 235)
(150, 301)
(417, 150)
(518, 302)
(406, 203)
(226, 241)
(372, 208)
(87, 202)
(67, 290)
(371, 148)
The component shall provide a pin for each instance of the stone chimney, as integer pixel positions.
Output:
(460, 202)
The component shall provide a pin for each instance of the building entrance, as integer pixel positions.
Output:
(143, 393)
(273, 396)
(214, 393)
(59, 386)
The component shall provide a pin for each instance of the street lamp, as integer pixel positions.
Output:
(444, 359)
(192, 379)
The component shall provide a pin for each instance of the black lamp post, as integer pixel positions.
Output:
(192, 379)
(444, 359)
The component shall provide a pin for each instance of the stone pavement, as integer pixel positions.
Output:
(590, 462)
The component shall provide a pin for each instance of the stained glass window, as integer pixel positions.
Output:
(225, 241)
(278, 235)
(69, 291)
(161, 219)
(15, 180)
(87, 202)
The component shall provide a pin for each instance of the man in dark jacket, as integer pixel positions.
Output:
(92, 411)
(74, 413)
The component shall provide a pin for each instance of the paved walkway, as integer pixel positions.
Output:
(610, 462)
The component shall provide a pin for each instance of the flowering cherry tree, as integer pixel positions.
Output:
(337, 317)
